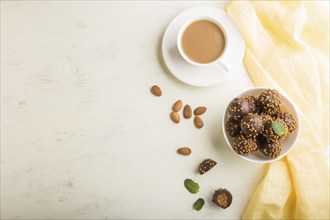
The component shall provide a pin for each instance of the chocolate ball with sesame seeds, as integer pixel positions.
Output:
(259, 140)
(270, 101)
(252, 125)
(265, 117)
(238, 107)
(289, 120)
(243, 145)
(268, 148)
(233, 127)
(253, 103)
(270, 134)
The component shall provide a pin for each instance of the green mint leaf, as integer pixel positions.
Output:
(198, 205)
(278, 128)
(191, 186)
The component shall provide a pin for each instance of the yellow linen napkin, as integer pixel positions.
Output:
(287, 48)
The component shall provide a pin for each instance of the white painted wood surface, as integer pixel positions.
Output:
(81, 135)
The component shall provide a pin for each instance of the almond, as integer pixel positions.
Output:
(198, 122)
(156, 90)
(200, 110)
(177, 106)
(184, 151)
(187, 113)
(175, 117)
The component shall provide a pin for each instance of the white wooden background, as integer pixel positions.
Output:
(81, 135)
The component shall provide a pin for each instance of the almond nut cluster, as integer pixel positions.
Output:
(257, 123)
(188, 113)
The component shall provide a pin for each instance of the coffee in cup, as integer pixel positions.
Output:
(202, 41)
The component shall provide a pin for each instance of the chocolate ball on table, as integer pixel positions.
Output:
(252, 125)
(238, 108)
(222, 197)
(269, 132)
(289, 120)
(270, 101)
(253, 103)
(269, 149)
(243, 145)
(233, 127)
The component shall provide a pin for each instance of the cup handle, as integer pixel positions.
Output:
(224, 66)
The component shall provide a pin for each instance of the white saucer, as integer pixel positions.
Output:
(205, 75)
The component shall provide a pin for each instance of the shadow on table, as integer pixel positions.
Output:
(163, 65)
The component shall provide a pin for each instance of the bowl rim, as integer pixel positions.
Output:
(295, 113)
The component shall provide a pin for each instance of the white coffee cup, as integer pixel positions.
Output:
(221, 60)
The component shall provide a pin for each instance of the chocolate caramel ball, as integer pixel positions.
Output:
(253, 103)
(289, 120)
(238, 108)
(270, 101)
(269, 132)
(270, 149)
(265, 117)
(233, 127)
(252, 125)
(222, 198)
(243, 145)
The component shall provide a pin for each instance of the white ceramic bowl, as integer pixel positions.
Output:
(288, 143)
